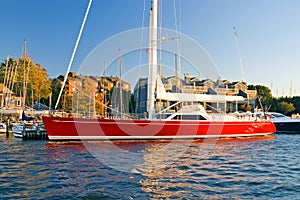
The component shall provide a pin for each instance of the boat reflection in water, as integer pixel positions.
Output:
(252, 168)
(178, 168)
(181, 171)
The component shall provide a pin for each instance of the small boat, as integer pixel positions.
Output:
(3, 128)
(283, 123)
(24, 130)
(20, 129)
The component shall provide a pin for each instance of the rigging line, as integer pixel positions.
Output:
(4, 83)
(180, 16)
(176, 27)
(160, 49)
(6, 71)
(160, 36)
(140, 56)
(180, 24)
(9, 79)
(239, 53)
(178, 43)
(73, 54)
(26, 80)
(11, 74)
(13, 79)
(142, 35)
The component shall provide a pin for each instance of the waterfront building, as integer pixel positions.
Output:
(95, 94)
(194, 85)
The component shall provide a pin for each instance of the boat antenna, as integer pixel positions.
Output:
(73, 54)
(239, 53)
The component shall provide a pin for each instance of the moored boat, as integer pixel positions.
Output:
(20, 129)
(188, 122)
(29, 130)
(3, 128)
(195, 124)
(283, 123)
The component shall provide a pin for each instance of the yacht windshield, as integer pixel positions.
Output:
(278, 115)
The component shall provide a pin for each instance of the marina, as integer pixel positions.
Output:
(160, 100)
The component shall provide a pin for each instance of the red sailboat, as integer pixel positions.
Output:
(194, 124)
(189, 122)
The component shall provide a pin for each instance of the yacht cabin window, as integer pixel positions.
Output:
(189, 117)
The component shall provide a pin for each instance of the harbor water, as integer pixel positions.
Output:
(245, 168)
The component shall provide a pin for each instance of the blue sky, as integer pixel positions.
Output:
(268, 33)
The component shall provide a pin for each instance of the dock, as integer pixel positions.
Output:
(29, 132)
(35, 135)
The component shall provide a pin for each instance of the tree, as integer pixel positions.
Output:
(40, 83)
(3, 68)
(264, 95)
(286, 108)
(296, 102)
(25, 78)
(55, 89)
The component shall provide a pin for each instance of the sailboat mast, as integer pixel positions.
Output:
(104, 109)
(120, 86)
(4, 83)
(24, 78)
(152, 58)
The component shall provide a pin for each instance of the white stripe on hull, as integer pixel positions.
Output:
(151, 137)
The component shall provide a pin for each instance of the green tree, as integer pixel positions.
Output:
(264, 95)
(296, 102)
(286, 108)
(39, 81)
(55, 89)
(25, 77)
(5, 66)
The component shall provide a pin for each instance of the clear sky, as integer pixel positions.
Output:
(268, 33)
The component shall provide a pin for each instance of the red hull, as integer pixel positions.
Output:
(59, 128)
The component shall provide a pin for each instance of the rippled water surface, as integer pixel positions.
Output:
(255, 168)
